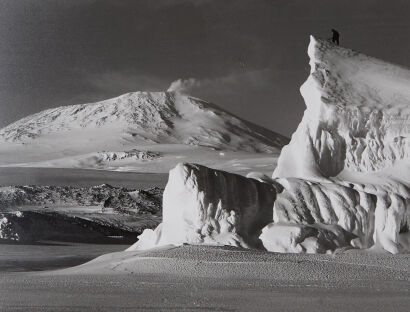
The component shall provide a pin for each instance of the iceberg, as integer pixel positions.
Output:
(341, 183)
(357, 117)
(213, 207)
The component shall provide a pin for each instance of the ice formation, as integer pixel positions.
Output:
(356, 117)
(342, 182)
(206, 206)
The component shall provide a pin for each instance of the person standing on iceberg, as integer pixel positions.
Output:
(335, 36)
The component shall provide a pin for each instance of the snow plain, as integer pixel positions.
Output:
(204, 278)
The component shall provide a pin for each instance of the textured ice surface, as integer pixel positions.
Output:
(326, 216)
(357, 116)
(354, 138)
(342, 182)
(206, 206)
(202, 205)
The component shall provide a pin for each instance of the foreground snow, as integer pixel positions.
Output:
(204, 278)
(342, 182)
(224, 262)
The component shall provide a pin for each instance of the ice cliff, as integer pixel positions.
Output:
(342, 182)
(206, 206)
(356, 117)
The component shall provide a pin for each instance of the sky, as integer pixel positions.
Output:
(247, 56)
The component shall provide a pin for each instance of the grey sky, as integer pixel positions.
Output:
(248, 57)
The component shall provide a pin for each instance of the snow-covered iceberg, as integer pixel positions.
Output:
(357, 116)
(321, 217)
(342, 182)
(207, 206)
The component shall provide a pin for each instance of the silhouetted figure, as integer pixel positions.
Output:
(335, 36)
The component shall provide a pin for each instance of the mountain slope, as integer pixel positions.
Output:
(148, 117)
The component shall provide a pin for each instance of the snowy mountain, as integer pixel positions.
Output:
(142, 132)
(156, 117)
(343, 181)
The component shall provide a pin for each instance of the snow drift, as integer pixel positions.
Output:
(342, 182)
